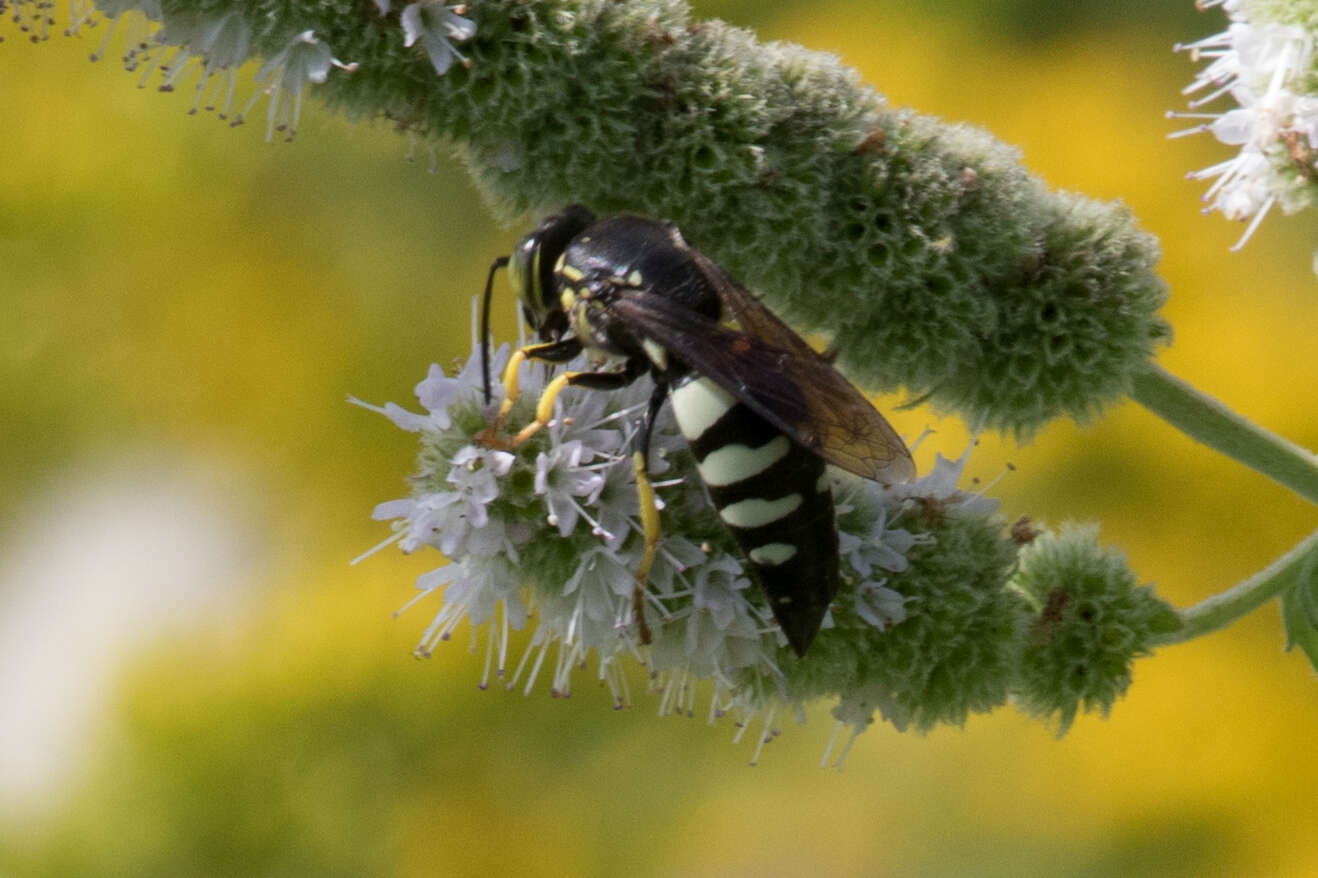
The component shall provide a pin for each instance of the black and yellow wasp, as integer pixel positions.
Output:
(761, 410)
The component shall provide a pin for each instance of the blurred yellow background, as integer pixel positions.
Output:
(194, 682)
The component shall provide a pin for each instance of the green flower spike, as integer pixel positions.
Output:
(936, 263)
(1092, 621)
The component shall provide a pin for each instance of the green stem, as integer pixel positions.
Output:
(1222, 609)
(1205, 419)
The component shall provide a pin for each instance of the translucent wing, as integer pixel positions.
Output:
(773, 371)
(741, 305)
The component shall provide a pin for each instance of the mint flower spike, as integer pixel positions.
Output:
(1093, 621)
(934, 260)
(546, 535)
(1267, 67)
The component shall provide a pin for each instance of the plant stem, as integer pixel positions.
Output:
(1222, 609)
(1205, 419)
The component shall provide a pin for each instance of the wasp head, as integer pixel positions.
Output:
(531, 269)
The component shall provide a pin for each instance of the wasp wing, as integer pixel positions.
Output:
(742, 306)
(786, 383)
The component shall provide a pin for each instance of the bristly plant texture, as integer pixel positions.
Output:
(928, 254)
(939, 613)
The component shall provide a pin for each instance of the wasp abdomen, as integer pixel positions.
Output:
(773, 495)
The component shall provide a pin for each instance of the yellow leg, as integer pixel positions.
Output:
(544, 413)
(544, 409)
(650, 523)
(510, 386)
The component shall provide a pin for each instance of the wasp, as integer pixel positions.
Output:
(762, 411)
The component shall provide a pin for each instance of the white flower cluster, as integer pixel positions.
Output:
(548, 533)
(1265, 67)
(582, 499)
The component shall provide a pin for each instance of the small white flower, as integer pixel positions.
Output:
(1264, 67)
(561, 477)
(475, 473)
(437, 392)
(141, 24)
(881, 607)
(717, 599)
(884, 549)
(939, 485)
(472, 592)
(457, 522)
(434, 24)
(615, 506)
(432, 519)
(219, 44)
(304, 60)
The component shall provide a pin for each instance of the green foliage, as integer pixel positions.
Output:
(1093, 621)
(1299, 611)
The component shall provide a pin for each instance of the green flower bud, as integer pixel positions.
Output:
(1091, 622)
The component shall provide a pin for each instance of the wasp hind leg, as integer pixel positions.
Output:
(560, 352)
(649, 507)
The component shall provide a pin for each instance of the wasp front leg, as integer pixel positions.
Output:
(553, 352)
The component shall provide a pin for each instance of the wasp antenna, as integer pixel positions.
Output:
(498, 263)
